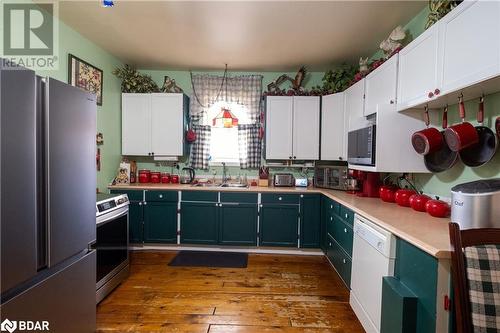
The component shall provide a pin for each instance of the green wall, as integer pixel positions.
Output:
(182, 78)
(109, 114)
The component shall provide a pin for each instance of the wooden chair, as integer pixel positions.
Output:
(475, 266)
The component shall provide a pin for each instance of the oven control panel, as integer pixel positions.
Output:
(108, 203)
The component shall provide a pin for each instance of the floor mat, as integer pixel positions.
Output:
(210, 259)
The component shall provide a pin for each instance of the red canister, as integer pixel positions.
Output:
(175, 179)
(144, 176)
(155, 177)
(165, 178)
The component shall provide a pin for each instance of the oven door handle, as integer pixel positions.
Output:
(111, 216)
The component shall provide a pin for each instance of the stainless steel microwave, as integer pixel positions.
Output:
(361, 146)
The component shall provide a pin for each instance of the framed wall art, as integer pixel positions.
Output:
(83, 75)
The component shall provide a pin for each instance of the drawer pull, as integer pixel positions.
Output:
(330, 244)
(331, 206)
(160, 196)
(280, 198)
(346, 215)
(331, 218)
(344, 261)
(301, 195)
(345, 230)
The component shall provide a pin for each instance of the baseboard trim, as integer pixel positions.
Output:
(258, 250)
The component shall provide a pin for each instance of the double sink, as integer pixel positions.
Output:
(213, 185)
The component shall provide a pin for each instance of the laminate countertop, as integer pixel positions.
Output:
(428, 233)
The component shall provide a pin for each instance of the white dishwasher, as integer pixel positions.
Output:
(374, 250)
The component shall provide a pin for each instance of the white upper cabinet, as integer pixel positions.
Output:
(306, 127)
(279, 127)
(418, 75)
(470, 44)
(333, 128)
(380, 86)
(292, 127)
(354, 104)
(167, 124)
(136, 124)
(153, 124)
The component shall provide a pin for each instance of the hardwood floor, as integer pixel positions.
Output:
(274, 294)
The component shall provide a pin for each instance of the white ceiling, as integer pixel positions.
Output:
(247, 35)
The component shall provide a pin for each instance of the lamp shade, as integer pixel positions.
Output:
(225, 119)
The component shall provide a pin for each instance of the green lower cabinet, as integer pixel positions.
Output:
(238, 224)
(340, 260)
(160, 222)
(343, 234)
(310, 221)
(136, 222)
(416, 273)
(199, 223)
(279, 225)
(135, 214)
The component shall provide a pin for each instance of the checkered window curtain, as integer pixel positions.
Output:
(249, 146)
(200, 149)
(245, 90)
(483, 275)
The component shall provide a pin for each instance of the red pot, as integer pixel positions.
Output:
(155, 177)
(388, 193)
(462, 135)
(175, 179)
(427, 140)
(402, 197)
(437, 208)
(418, 201)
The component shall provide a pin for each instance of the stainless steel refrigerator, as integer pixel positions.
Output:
(48, 183)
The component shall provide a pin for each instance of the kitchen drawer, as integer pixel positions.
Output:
(347, 215)
(343, 234)
(239, 197)
(133, 195)
(204, 196)
(162, 196)
(340, 260)
(332, 207)
(330, 225)
(271, 198)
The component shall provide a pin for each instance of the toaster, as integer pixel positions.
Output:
(283, 180)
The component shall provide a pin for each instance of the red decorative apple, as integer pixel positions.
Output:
(402, 197)
(418, 201)
(388, 193)
(437, 208)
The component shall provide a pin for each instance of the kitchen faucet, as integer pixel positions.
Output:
(224, 173)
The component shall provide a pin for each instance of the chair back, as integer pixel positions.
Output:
(475, 264)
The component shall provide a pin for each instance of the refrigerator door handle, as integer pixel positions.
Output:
(46, 161)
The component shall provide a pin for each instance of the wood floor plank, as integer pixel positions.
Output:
(274, 294)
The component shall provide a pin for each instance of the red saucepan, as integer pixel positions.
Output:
(463, 135)
(483, 151)
(427, 140)
(444, 158)
(497, 127)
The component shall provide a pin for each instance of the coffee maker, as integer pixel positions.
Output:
(367, 182)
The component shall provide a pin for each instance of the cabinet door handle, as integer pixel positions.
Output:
(149, 154)
(295, 157)
(301, 195)
(391, 101)
(431, 94)
(346, 215)
(331, 206)
(437, 91)
(145, 203)
(330, 244)
(340, 158)
(260, 206)
(331, 218)
(280, 198)
(140, 203)
(345, 230)
(160, 196)
(289, 157)
(343, 260)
